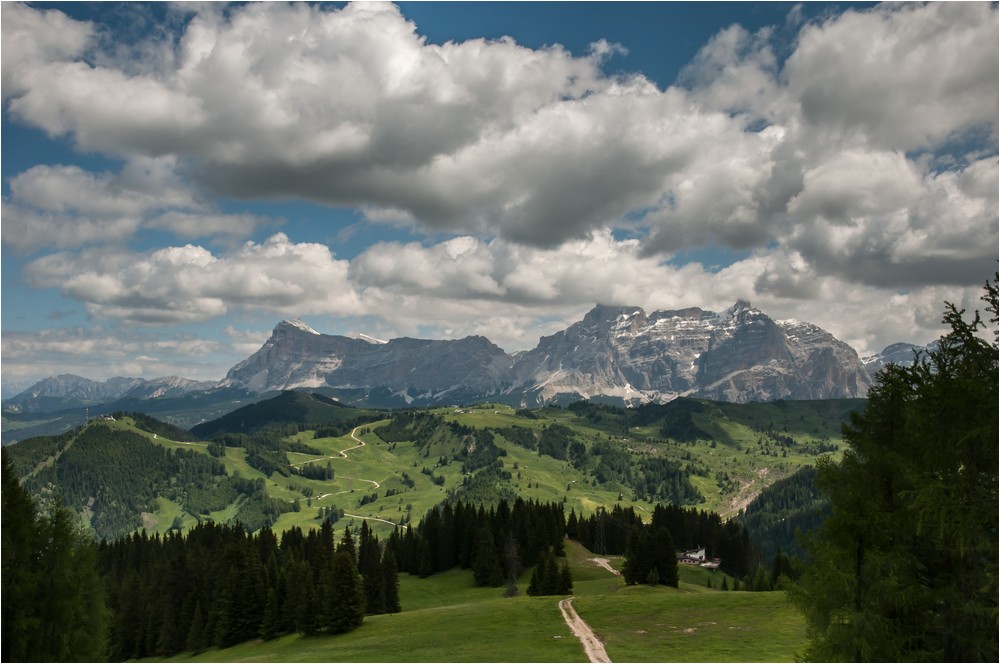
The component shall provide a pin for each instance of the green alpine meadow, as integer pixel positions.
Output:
(319, 532)
(404, 331)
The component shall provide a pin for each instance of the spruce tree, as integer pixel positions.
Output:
(665, 558)
(270, 625)
(905, 566)
(196, 640)
(306, 614)
(370, 567)
(425, 565)
(347, 544)
(551, 579)
(347, 602)
(60, 612)
(565, 580)
(512, 563)
(638, 556)
(486, 564)
(19, 540)
(536, 584)
(391, 582)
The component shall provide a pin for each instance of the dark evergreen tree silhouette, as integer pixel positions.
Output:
(486, 564)
(347, 602)
(905, 566)
(53, 598)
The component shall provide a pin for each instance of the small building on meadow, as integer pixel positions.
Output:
(692, 556)
(698, 557)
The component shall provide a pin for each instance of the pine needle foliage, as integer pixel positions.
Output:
(905, 567)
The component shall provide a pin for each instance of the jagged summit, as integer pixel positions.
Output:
(69, 390)
(740, 354)
(298, 323)
(413, 369)
(901, 353)
(622, 352)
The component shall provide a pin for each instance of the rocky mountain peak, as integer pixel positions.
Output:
(738, 354)
(609, 313)
(292, 326)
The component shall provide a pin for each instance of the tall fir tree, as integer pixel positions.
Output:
(665, 557)
(638, 556)
(270, 624)
(196, 640)
(347, 602)
(54, 606)
(370, 567)
(905, 566)
(391, 581)
(565, 586)
(486, 563)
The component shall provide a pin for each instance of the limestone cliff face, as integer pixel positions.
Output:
(294, 356)
(423, 370)
(737, 355)
(623, 353)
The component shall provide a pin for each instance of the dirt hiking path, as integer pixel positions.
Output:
(581, 630)
(606, 564)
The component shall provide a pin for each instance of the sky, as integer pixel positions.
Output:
(178, 178)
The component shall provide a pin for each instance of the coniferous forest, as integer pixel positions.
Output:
(54, 607)
(219, 585)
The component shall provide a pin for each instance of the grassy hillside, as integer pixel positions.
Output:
(585, 456)
(445, 618)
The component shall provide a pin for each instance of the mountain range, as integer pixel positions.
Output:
(618, 354)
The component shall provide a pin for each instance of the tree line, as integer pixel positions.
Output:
(496, 543)
(218, 585)
(792, 505)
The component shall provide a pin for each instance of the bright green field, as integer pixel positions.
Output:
(749, 466)
(446, 619)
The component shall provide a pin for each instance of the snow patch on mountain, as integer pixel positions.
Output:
(295, 322)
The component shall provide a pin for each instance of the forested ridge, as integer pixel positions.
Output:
(116, 474)
(288, 408)
(144, 595)
(782, 511)
(606, 462)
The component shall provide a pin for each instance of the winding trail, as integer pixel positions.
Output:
(342, 454)
(606, 564)
(373, 518)
(592, 645)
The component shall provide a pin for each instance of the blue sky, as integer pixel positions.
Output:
(179, 178)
